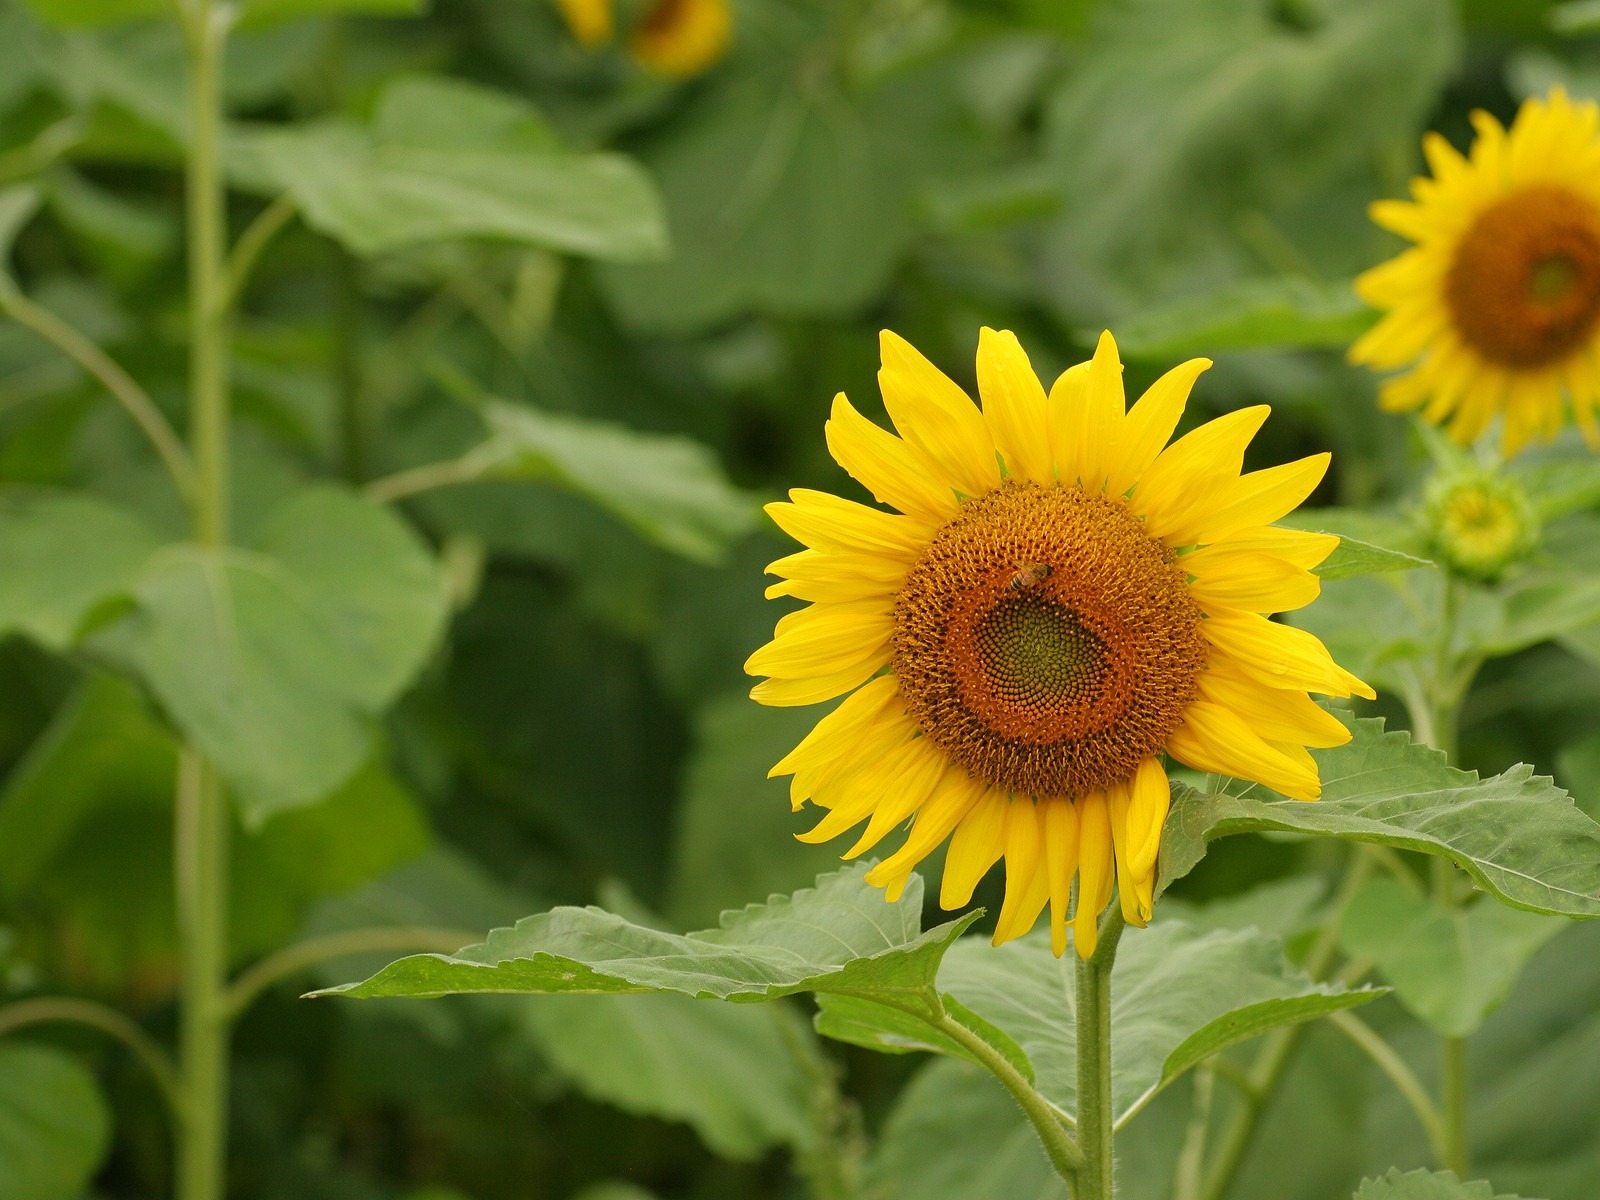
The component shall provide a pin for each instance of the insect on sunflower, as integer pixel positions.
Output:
(1061, 599)
(1496, 308)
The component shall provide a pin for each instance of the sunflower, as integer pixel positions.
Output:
(1496, 309)
(673, 37)
(1061, 599)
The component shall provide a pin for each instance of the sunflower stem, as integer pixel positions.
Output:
(1095, 1109)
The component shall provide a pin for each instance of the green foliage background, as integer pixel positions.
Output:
(538, 335)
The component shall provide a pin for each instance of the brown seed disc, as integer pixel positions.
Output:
(1524, 287)
(1046, 642)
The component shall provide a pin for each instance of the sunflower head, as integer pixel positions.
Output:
(1060, 601)
(672, 37)
(1480, 523)
(1495, 311)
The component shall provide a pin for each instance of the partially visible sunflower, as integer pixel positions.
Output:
(1496, 309)
(1058, 602)
(672, 37)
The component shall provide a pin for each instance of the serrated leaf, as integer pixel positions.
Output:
(1369, 543)
(669, 488)
(54, 1124)
(1450, 967)
(1425, 1185)
(1354, 557)
(841, 936)
(1248, 314)
(381, 189)
(46, 593)
(1518, 835)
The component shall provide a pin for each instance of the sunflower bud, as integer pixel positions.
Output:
(1479, 523)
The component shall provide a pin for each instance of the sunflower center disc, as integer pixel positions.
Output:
(1524, 288)
(1046, 642)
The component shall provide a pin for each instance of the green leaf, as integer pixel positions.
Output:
(47, 594)
(1450, 967)
(1369, 543)
(727, 1070)
(54, 1126)
(369, 580)
(1425, 1185)
(1518, 835)
(889, 1030)
(840, 936)
(86, 13)
(1248, 314)
(671, 489)
(1178, 995)
(234, 652)
(386, 187)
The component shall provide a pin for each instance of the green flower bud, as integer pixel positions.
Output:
(1479, 523)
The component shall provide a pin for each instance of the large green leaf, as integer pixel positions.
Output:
(1450, 967)
(1518, 835)
(64, 554)
(1178, 995)
(401, 183)
(54, 1127)
(840, 936)
(368, 579)
(230, 645)
(1425, 1185)
(728, 1070)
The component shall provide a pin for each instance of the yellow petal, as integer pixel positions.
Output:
(1302, 548)
(1280, 656)
(895, 473)
(858, 793)
(1014, 406)
(1258, 498)
(1061, 864)
(1149, 424)
(840, 729)
(937, 417)
(916, 774)
(975, 846)
(1182, 481)
(1118, 796)
(826, 522)
(1086, 417)
(824, 639)
(952, 799)
(1275, 713)
(1027, 883)
(1096, 871)
(1149, 797)
(1214, 739)
(1249, 580)
(790, 693)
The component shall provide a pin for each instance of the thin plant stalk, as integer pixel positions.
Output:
(1096, 1112)
(202, 825)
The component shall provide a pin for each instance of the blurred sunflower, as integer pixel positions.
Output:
(1059, 601)
(1496, 308)
(672, 37)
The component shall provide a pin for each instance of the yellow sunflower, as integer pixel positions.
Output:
(1496, 309)
(1061, 599)
(673, 37)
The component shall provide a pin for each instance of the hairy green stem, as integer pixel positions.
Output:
(40, 1010)
(202, 824)
(201, 861)
(292, 960)
(1059, 1146)
(1096, 1112)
